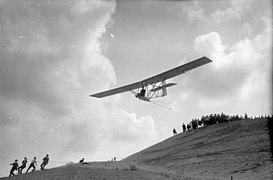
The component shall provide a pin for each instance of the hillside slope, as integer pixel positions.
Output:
(96, 171)
(240, 149)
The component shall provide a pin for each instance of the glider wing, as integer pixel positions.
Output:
(178, 70)
(118, 90)
(155, 79)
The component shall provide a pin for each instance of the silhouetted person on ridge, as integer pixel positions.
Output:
(23, 166)
(14, 167)
(33, 165)
(174, 131)
(194, 125)
(82, 162)
(188, 127)
(45, 162)
(184, 127)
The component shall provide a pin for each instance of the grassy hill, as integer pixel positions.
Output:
(240, 149)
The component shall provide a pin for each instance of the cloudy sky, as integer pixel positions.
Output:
(53, 54)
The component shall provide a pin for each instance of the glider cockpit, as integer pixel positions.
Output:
(148, 92)
(141, 95)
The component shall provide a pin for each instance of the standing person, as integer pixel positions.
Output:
(184, 127)
(14, 167)
(23, 166)
(33, 165)
(188, 126)
(45, 162)
(174, 131)
(82, 162)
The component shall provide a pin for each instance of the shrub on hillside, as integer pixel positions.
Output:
(133, 168)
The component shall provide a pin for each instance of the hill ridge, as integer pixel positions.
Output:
(227, 149)
(240, 149)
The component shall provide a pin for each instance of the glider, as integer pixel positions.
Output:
(154, 86)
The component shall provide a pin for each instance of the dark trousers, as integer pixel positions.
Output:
(43, 165)
(20, 169)
(11, 172)
(31, 166)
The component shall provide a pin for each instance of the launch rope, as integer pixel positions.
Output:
(161, 105)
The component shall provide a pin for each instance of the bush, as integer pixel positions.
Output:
(133, 168)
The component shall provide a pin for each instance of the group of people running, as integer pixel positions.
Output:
(33, 164)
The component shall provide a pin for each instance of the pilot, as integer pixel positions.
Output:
(141, 94)
(174, 131)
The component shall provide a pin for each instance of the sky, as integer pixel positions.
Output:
(54, 54)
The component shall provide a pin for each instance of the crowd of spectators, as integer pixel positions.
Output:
(211, 119)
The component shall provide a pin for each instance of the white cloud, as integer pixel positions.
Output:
(51, 60)
(241, 70)
(246, 29)
(37, 43)
(193, 14)
(235, 10)
(129, 128)
(84, 6)
(210, 44)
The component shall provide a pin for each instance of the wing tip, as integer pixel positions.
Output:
(205, 57)
(94, 95)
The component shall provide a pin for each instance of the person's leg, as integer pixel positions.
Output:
(11, 172)
(28, 168)
(22, 169)
(42, 166)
